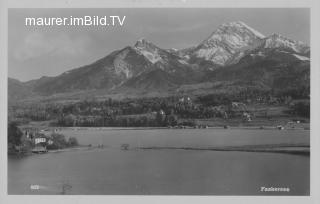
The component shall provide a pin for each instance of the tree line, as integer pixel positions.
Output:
(165, 111)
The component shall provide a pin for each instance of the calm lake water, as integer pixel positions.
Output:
(165, 172)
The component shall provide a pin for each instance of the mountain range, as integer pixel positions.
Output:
(234, 56)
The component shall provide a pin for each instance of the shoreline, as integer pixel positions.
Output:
(303, 150)
(67, 149)
(75, 148)
(296, 149)
(187, 127)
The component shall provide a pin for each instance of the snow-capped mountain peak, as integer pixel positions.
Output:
(278, 41)
(229, 39)
(238, 26)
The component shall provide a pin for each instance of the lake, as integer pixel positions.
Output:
(112, 171)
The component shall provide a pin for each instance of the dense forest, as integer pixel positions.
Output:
(159, 111)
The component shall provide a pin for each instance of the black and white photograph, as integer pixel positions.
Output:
(159, 101)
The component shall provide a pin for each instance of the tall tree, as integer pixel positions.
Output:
(14, 134)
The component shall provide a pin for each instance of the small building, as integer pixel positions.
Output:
(39, 140)
(161, 112)
(185, 99)
(247, 116)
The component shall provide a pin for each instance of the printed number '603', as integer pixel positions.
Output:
(34, 187)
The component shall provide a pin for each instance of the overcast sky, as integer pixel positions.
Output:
(49, 51)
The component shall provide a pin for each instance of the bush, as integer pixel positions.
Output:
(73, 142)
(301, 109)
(59, 142)
(14, 134)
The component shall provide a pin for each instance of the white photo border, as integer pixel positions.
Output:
(314, 6)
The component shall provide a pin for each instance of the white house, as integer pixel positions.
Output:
(39, 140)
